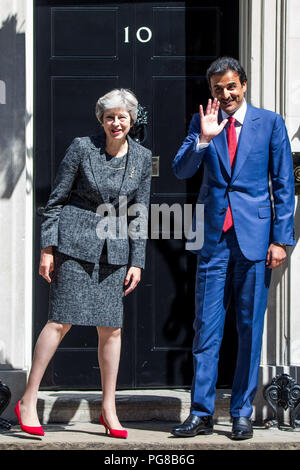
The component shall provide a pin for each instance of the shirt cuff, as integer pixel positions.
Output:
(200, 146)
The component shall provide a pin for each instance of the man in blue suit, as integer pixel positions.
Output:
(242, 149)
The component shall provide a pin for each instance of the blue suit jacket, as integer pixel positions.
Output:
(263, 152)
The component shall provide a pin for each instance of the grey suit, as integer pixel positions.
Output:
(70, 220)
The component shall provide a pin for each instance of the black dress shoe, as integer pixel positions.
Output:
(194, 425)
(241, 428)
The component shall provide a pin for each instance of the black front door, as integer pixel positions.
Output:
(161, 51)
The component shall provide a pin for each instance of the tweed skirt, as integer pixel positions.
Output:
(83, 293)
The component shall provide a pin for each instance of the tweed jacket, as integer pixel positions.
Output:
(71, 216)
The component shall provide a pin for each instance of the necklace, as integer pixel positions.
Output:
(116, 167)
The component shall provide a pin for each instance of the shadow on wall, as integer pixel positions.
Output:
(13, 117)
(277, 326)
(273, 307)
(296, 135)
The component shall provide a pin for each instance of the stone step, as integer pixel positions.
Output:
(132, 405)
(70, 406)
(146, 439)
(71, 422)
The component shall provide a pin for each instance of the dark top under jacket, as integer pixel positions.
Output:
(70, 218)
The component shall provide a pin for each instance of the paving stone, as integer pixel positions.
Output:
(145, 436)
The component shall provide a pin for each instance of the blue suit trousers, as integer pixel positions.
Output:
(226, 275)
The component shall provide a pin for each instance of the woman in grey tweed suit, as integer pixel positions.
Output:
(89, 274)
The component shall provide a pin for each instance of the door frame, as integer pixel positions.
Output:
(29, 195)
(30, 156)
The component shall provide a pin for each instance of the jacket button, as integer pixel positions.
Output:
(223, 210)
(230, 189)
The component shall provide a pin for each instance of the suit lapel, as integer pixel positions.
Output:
(98, 164)
(130, 166)
(220, 142)
(246, 139)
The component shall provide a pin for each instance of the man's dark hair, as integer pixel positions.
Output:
(222, 65)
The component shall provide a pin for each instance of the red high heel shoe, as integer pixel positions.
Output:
(120, 433)
(35, 430)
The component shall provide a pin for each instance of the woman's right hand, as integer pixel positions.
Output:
(46, 263)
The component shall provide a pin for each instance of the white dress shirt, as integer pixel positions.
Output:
(239, 116)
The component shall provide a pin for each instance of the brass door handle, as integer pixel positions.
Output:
(155, 165)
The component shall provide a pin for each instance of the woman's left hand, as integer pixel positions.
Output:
(133, 277)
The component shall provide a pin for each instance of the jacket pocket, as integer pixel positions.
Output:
(77, 230)
(264, 212)
(203, 194)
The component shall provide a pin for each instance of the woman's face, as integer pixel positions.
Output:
(116, 123)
